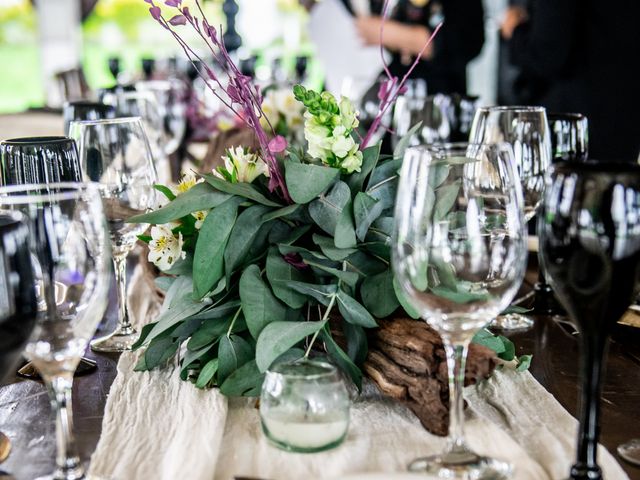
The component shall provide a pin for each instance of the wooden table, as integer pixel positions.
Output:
(25, 412)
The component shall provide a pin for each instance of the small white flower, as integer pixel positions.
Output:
(241, 166)
(349, 114)
(164, 248)
(187, 181)
(199, 216)
(318, 138)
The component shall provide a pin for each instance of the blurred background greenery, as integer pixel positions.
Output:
(124, 29)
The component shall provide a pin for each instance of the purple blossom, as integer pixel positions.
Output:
(295, 260)
(155, 12)
(277, 144)
(172, 3)
(187, 13)
(178, 20)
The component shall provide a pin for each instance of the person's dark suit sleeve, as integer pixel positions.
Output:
(462, 34)
(543, 45)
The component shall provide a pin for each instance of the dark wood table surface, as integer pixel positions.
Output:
(25, 413)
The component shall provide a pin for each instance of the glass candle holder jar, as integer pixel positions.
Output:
(304, 406)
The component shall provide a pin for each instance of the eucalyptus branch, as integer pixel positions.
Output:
(324, 320)
(233, 322)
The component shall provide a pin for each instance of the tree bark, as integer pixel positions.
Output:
(408, 363)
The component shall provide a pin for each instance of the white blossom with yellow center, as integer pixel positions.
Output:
(188, 181)
(165, 249)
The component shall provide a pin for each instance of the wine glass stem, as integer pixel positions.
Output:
(67, 458)
(120, 264)
(592, 363)
(456, 360)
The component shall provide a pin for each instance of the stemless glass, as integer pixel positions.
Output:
(589, 227)
(527, 131)
(71, 261)
(459, 253)
(115, 153)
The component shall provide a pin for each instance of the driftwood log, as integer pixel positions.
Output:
(408, 363)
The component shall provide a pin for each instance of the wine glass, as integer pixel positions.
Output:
(86, 110)
(18, 304)
(34, 160)
(589, 228)
(116, 154)
(527, 131)
(570, 142)
(569, 136)
(71, 261)
(459, 253)
(170, 95)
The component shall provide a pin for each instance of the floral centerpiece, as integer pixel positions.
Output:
(263, 251)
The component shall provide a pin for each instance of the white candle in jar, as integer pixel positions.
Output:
(306, 433)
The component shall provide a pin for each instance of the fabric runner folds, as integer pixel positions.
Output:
(157, 426)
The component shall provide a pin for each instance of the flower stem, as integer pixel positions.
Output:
(324, 320)
(233, 322)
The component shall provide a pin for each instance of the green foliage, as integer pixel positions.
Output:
(261, 279)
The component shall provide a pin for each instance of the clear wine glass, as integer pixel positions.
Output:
(71, 261)
(569, 136)
(170, 96)
(459, 253)
(589, 228)
(527, 131)
(116, 154)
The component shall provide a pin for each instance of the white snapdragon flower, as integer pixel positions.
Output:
(353, 161)
(165, 248)
(348, 114)
(342, 146)
(318, 138)
(241, 166)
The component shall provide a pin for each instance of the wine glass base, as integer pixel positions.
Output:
(630, 451)
(119, 341)
(512, 322)
(85, 367)
(462, 465)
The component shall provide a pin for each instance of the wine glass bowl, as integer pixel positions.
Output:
(116, 154)
(569, 136)
(70, 257)
(589, 228)
(459, 255)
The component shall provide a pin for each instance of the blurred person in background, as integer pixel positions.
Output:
(411, 22)
(578, 56)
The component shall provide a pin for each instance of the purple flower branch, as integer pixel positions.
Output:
(391, 88)
(239, 88)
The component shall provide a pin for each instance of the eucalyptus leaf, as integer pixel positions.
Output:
(259, 305)
(245, 381)
(329, 249)
(279, 272)
(322, 293)
(164, 283)
(366, 210)
(383, 173)
(278, 337)
(159, 352)
(208, 261)
(459, 296)
(201, 196)
(524, 362)
(306, 182)
(404, 301)
(357, 345)
(353, 312)
(446, 197)
(281, 212)
(184, 308)
(219, 311)
(487, 339)
(350, 278)
(233, 352)
(245, 190)
(332, 213)
(378, 294)
(370, 156)
(207, 373)
(404, 142)
(243, 233)
(365, 264)
(208, 334)
(342, 359)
